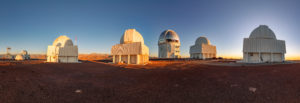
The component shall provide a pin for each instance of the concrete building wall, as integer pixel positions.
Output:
(131, 59)
(264, 45)
(203, 51)
(128, 49)
(263, 57)
(67, 59)
(278, 57)
(169, 50)
(263, 50)
(266, 57)
(202, 55)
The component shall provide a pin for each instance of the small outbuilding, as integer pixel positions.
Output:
(203, 49)
(263, 46)
(62, 51)
(131, 49)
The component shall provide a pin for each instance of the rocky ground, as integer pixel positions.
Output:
(157, 82)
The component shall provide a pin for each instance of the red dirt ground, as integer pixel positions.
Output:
(157, 82)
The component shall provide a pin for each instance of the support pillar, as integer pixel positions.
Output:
(259, 55)
(272, 57)
(119, 59)
(128, 59)
(114, 58)
(200, 56)
(283, 58)
(246, 57)
(138, 59)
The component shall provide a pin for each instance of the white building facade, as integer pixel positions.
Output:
(203, 49)
(263, 46)
(168, 45)
(62, 51)
(131, 49)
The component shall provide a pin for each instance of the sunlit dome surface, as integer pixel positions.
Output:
(130, 36)
(168, 35)
(202, 40)
(62, 41)
(262, 32)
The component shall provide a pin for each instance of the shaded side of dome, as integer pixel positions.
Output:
(168, 35)
(202, 40)
(62, 41)
(130, 36)
(24, 52)
(262, 32)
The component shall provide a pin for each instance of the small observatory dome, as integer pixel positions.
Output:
(262, 32)
(130, 36)
(19, 57)
(202, 40)
(167, 36)
(63, 41)
(23, 55)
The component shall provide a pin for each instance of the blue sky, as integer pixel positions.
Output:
(99, 24)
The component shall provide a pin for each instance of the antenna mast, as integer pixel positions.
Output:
(8, 50)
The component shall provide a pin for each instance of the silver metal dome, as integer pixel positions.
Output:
(262, 32)
(168, 36)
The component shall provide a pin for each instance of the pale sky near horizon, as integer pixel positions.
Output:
(98, 24)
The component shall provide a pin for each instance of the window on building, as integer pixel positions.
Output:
(251, 54)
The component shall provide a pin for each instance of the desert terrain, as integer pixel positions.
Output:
(166, 81)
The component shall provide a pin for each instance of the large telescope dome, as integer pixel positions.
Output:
(130, 36)
(168, 36)
(262, 32)
(63, 41)
(202, 40)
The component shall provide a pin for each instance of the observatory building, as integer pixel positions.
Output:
(23, 56)
(262, 46)
(62, 51)
(131, 49)
(168, 45)
(203, 49)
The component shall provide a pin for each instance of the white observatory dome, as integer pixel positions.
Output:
(19, 57)
(168, 35)
(63, 41)
(130, 36)
(262, 32)
(202, 40)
